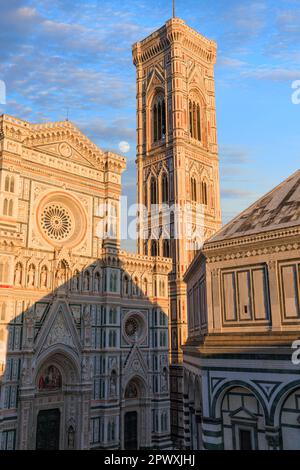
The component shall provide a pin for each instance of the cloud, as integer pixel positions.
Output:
(233, 155)
(229, 62)
(98, 129)
(245, 21)
(236, 194)
(273, 74)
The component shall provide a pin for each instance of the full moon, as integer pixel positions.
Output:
(124, 146)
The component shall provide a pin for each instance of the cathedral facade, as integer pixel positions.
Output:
(84, 325)
(103, 349)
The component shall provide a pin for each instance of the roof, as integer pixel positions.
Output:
(278, 209)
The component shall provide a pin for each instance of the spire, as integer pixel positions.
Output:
(174, 9)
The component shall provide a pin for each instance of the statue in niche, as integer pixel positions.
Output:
(86, 368)
(31, 276)
(97, 282)
(164, 380)
(18, 274)
(61, 274)
(44, 277)
(29, 315)
(113, 384)
(75, 282)
(87, 315)
(86, 281)
(71, 437)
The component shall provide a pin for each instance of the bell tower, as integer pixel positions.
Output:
(177, 165)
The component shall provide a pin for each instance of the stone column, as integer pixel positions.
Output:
(26, 426)
(212, 434)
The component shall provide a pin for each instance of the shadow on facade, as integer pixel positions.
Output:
(85, 363)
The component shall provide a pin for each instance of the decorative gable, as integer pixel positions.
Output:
(58, 329)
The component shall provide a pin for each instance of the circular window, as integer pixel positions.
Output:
(134, 327)
(131, 326)
(61, 219)
(56, 221)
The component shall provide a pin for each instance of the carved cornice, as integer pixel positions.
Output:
(264, 237)
(35, 135)
(259, 247)
(175, 30)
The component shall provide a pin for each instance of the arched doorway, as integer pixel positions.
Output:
(136, 416)
(243, 420)
(56, 401)
(290, 421)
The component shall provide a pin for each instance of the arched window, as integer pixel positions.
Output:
(5, 207)
(166, 248)
(163, 288)
(159, 118)
(155, 123)
(204, 195)
(153, 190)
(7, 180)
(193, 189)
(10, 208)
(12, 185)
(195, 120)
(165, 188)
(9, 185)
(112, 339)
(154, 248)
(112, 316)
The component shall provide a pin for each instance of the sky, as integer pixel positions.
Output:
(72, 58)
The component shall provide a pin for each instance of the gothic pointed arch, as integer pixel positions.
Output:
(197, 115)
(157, 116)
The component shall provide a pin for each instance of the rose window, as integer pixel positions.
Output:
(56, 222)
(61, 219)
(134, 327)
(131, 327)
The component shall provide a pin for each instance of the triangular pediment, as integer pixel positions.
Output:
(196, 79)
(65, 141)
(135, 363)
(242, 413)
(58, 329)
(156, 79)
(64, 150)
